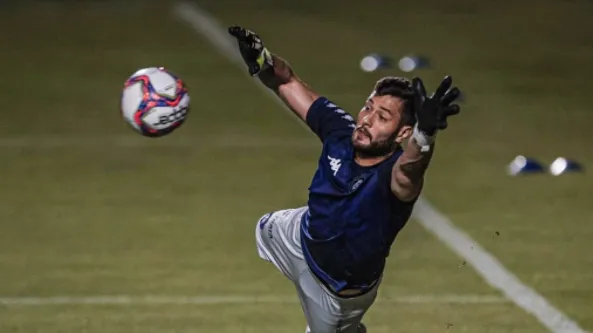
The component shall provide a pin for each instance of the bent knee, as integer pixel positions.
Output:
(262, 249)
(261, 223)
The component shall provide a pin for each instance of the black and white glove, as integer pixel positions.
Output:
(432, 112)
(252, 49)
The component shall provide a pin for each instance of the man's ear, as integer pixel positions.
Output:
(404, 133)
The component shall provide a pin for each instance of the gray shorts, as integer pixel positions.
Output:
(278, 241)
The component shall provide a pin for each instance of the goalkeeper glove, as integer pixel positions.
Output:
(432, 112)
(252, 49)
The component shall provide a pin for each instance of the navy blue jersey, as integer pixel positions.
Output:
(353, 216)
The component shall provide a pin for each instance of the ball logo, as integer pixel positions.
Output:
(176, 116)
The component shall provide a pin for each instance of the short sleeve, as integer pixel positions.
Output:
(327, 119)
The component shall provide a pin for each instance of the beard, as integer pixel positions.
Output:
(377, 148)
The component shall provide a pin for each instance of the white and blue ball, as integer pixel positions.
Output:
(154, 101)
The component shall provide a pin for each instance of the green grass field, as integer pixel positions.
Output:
(89, 208)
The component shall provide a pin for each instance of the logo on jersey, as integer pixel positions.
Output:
(334, 164)
(348, 117)
(344, 116)
(357, 184)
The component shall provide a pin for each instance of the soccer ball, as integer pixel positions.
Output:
(154, 101)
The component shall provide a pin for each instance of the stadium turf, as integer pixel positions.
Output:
(91, 209)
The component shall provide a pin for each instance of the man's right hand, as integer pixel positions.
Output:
(274, 72)
(252, 49)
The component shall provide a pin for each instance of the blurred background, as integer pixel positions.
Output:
(103, 230)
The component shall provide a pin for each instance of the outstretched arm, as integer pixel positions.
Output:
(295, 93)
(407, 176)
(274, 72)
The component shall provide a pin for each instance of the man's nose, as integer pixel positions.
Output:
(368, 119)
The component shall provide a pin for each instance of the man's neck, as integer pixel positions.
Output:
(367, 161)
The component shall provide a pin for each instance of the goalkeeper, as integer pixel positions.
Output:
(362, 194)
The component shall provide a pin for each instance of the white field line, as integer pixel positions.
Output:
(483, 262)
(231, 299)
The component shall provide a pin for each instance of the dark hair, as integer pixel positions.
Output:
(402, 88)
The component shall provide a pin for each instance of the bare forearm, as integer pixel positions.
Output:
(280, 73)
(414, 162)
(281, 79)
(408, 172)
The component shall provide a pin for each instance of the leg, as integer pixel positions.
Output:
(327, 313)
(278, 241)
(275, 239)
(361, 329)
